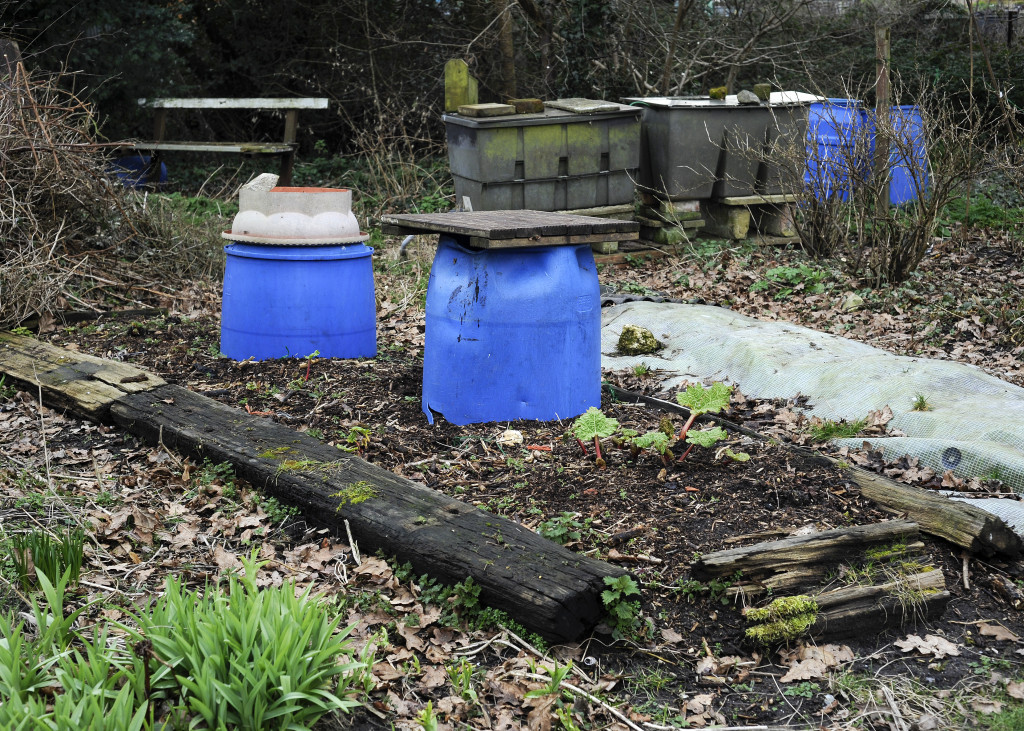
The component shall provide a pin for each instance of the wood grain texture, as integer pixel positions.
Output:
(961, 523)
(869, 610)
(802, 561)
(82, 383)
(510, 224)
(542, 585)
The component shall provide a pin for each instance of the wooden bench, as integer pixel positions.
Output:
(284, 149)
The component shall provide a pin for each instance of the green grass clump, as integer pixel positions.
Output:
(828, 430)
(51, 556)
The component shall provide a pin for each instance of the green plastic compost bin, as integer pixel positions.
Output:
(552, 161)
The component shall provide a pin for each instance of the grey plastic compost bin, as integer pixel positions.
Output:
(781, 172)
(553, 161)
(695, 148)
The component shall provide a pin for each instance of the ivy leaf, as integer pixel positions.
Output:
(657, 440)
(700, 400)
(706, 437)
(592, 424)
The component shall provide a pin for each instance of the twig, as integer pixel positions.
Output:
(524, 644)
(160, 441)
(897, 717)
(42, 430)
(592, 698)
(353, 545)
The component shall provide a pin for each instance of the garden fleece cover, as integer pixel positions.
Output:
(975, 426)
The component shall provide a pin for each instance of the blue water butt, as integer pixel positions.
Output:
(292, 301)
(908, 167)
(836, 156)
(511, 334)
(131, 171)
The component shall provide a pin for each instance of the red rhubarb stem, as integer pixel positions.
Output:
(686, 426)
(683, 455)
(583, 447)
(597, 446)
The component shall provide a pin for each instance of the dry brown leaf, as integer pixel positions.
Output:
(809, 669)
(185, 537)
(539, 719)
(939, 647)
(433, 676)
(997, 632)
(374, 567)
(1015, 689)
(879, 418)
(225, 559)
(386, 671)
(700, 703)
(412, 640)
(987, 706)
(671, 636)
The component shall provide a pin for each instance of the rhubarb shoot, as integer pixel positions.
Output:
(593, 424)
(700, 400)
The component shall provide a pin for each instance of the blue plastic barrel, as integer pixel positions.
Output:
(511, 334)
(837, 156)
(291, 301)
(908, 163)
(131, 171)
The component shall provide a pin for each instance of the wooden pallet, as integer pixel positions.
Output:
(510, 229)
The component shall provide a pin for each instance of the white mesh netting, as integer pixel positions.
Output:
(975, 426)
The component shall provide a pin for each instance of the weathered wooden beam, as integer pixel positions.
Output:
(249, 103)
(542, 585)
(802, 561)
(961, 523)
(547, 588)
(69, 380)
(908, 594)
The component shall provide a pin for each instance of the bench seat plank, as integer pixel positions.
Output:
(247, 103)
(247, 148)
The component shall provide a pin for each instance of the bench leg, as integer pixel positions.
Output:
(287, 163)
(151, 175)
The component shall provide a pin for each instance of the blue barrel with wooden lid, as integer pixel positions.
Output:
(511, 333)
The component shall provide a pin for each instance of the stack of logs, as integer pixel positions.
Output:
(863, 579)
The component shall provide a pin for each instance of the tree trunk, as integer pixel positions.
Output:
(506, 47)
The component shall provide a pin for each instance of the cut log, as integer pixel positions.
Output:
(540, 584)
(861, 610)
(903, 599)
(800, 562)
(960, 523)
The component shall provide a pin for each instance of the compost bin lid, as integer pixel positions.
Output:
(600, 110)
